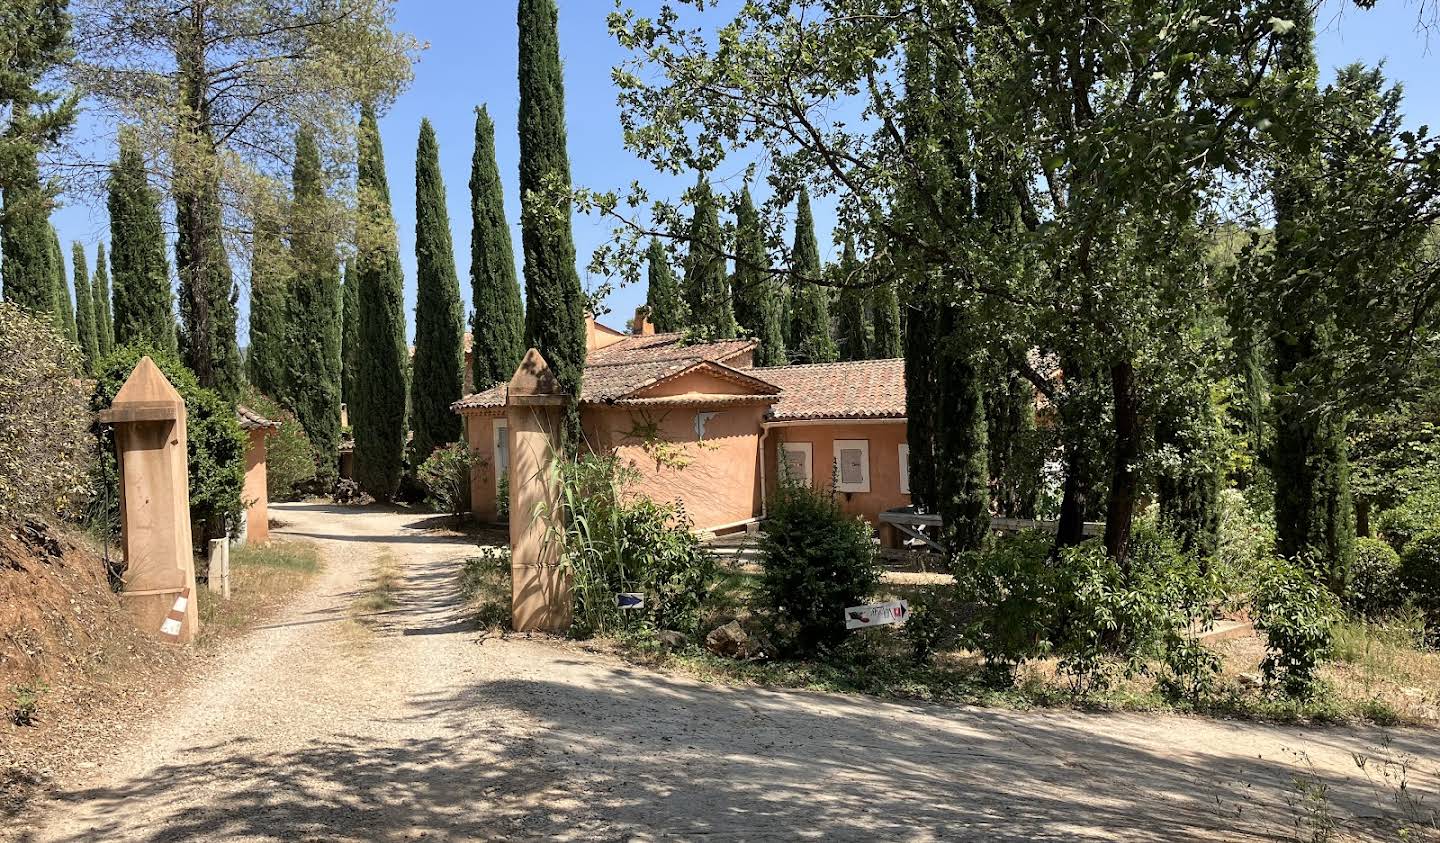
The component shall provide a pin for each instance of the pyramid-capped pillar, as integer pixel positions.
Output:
(540, 591)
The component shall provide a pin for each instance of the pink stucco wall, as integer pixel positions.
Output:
(257, 515)
(479, 434)
(884, 441)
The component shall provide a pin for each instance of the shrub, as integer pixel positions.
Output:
(1420, 574)
(1013, 588)
(446, 477)
(817, 561)
(216, 443)
(1416, 514)
(1375, 588)
(616, 543)
(45, 450)
(1106, 611)
(289, 455)
(1297, 613)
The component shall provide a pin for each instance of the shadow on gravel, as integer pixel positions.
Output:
(645, 754)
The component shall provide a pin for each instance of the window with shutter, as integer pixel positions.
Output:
(852, 465)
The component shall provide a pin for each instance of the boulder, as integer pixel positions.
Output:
(671, 640)
(729, 640)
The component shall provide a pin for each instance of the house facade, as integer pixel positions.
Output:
(698, 423)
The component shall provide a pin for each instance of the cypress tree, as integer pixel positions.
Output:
(378, 416)
(84, 308)
(810, 309)
(437, 379)
(1015, 456)
(270, 276)
(25, 240)
(919, 334)
(854, 321)
(662, 293)
(885, 306)
(104, 321)
(555, 304)
(349, 337)
(498, 327)
(138, 267)
(707, 293)
(64, 311)
(757, 297)
(314, 320)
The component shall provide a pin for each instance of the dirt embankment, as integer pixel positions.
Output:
(72, 662)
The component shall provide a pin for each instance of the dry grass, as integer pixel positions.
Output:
(485, 585)
(262, 578)
(379, 596)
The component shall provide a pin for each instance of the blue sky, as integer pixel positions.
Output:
(472, 60)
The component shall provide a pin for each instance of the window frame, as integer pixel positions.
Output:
(904, 454)
(863, 446)
(806, 448)
(500, 427)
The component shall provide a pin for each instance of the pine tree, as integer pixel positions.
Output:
(64, 309)
(662, 293)
(349, 337)
(314, 318)
(885, 306)
(104, 321)
(378, 414)
(757, 296)
(437, 379)
(25, 240)
(810, 310)
(84, 308)
(270, 278)
(498, 326)
(855, 343)
(555, 304)
(707, 291)
(138, 267)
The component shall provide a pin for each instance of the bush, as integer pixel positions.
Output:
(1375, 588)
(216, 443)
(1420, 574)
(1417, 514)
(289, 456)
(446, 477)
(817, 562)
(1297, 613)
(616, 543)
(45, 447)
(1013, 587)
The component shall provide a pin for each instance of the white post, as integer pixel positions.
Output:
(218, 579)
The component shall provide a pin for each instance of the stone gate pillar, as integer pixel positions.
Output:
(540, 589)
(148, 416)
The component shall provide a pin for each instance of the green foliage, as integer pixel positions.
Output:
(85, 317)
(1375, 588)
(216, 444)
(26, 703)
(1297, 613)
(139, 270)
(378, 411)
(446, 477)
(312, 326)
(207, 293)
(349, 337)
(47, 452)
(662, 291)
(615, 542)
(817, 561)
(498, 328)
(852, 313)
(64, 310)
(104, 321)
(37, 43)
(25, 239)
(437, 379)
(271, 279)
(555, 304)
(1015, 589)
(756, 294)
(809, 338)
(707, 292)
(1420, 574)
(289, 453)
(885, 307)
(1018, 448)
(1418, 513)
(502, 498)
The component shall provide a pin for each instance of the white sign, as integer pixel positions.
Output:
(630, 600)
(876, 614)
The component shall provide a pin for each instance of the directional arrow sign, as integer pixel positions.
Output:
(630, 600)
(876, 614)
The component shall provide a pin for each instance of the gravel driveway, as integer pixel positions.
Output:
(415, 726)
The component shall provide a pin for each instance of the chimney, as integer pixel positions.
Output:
(641, 326)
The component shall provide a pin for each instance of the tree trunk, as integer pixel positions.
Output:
(1124, 478)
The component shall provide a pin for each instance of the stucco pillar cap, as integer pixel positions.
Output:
(534, 382)
(146, 396)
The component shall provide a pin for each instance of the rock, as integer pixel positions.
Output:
(1251, 680)
(671, 640)
(729, 640)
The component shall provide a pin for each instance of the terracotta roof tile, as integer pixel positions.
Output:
(861, 389)
(251, 420)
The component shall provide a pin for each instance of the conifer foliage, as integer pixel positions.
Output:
(64, 310)
(270, 278)
(138, 267)
(756, 295)
(555, 304)
(854, 321)
(349, 335)
(707, 291)
(378, 416)
(25, 240)
(810, 311)
(662, 294)
(498, 328)
(437, 376)
(84, 308)
(104, 321)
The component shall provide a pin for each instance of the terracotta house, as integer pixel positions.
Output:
(701, 425)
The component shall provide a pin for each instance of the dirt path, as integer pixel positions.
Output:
(315, 728)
